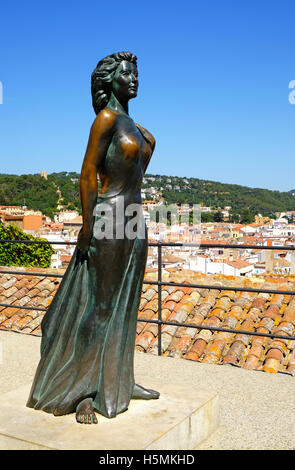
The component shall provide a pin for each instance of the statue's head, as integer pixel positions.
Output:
(115, 73)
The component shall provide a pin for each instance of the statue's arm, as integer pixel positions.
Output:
(99, 140)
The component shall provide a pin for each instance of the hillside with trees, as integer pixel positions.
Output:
(242, 199)
(38, 193)
(61, 191)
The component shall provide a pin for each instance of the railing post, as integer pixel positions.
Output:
(159, 299)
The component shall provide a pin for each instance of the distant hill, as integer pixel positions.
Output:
(39, 193)
(62, 189)
(220, 195)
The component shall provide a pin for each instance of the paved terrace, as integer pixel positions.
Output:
(256, 408)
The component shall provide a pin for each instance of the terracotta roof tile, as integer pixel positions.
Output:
(197, 349)
(260, 312)
(29, 291)
(149, 294)
(5, 282)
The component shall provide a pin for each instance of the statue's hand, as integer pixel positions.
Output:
(84, 238)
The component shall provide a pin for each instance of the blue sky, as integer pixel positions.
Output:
(213, 84)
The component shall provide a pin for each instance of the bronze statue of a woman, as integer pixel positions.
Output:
(88, 332)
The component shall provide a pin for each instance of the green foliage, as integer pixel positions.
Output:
(69, 186)
(207, 217)
(33, 190)
(37, 193)
(21, 254)
(218, 217)
(246, 217)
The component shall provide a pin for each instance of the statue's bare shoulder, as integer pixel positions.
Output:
(104, 122)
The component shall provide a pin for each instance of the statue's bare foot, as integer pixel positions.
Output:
(85, 413)
(144, 393)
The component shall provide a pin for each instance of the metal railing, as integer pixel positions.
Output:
(159, 321)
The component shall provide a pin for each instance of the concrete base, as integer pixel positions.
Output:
(179, 420)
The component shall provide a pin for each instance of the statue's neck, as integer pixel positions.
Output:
(117, 106)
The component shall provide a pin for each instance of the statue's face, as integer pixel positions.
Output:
(125, 81)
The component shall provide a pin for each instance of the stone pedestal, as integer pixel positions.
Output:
(179, 420)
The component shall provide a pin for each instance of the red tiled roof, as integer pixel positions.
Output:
(253, 238)
(66, 258)
(238, 263)
(171, 259)
(76, 220)
(264, 313)
(261, 312)
(28, 291)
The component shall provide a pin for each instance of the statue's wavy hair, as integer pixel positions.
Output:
(102, 77)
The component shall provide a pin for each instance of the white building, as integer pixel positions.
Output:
(66, 215)
(227, 267)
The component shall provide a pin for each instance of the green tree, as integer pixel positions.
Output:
(22, 254)
(207, 217)
(218, 217)
(234, 217)
(247, 217)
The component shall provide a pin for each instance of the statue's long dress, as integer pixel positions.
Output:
(88, 332)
